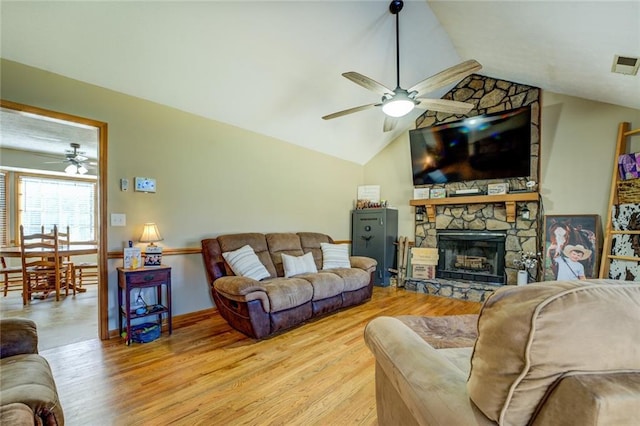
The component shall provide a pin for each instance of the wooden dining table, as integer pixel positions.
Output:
(63, 251)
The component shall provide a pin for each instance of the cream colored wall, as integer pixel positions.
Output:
(578, 144)
(391, 169)
(212, 178)
(578, 153)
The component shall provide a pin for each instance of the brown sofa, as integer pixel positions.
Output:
(555, 353)
(28, 393)
(261, 308)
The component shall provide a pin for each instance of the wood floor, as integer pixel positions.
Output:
(321, 373)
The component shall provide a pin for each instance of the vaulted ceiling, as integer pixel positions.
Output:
(274, 67)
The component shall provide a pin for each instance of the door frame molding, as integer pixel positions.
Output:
(103, 282)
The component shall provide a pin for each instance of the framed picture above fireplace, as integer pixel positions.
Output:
(572, 246)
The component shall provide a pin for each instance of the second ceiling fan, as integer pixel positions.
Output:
(399, 102)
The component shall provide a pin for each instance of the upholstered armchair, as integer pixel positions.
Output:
(28, 393)
(561, 353)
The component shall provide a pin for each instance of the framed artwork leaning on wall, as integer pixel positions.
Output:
(572, 247)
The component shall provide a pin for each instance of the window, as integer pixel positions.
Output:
(47, 202)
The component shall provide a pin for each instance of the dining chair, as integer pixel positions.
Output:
(64, 242)
(42, 268)
(82, 271)
(86, 273)
(11, 277)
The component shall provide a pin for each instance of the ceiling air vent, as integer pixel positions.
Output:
(625, 65)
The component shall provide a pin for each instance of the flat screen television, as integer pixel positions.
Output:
(490, 146)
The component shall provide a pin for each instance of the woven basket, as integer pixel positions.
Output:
(145, 333)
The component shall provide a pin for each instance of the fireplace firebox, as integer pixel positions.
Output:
(471, 255)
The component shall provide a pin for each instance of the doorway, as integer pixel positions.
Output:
(101, 189)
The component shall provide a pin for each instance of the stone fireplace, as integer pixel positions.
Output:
(516, 216)
(471, 255)
(521, 232)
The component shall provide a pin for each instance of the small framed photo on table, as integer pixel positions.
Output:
(132, 258)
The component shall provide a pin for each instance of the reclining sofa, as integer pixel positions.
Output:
(554, 353)
(265, 283)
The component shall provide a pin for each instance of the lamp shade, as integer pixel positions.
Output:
(150, 233)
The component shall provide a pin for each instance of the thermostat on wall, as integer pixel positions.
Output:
(143, 184)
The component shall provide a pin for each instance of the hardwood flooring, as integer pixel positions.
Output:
(320, 373)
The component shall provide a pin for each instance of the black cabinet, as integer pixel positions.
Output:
(373, 234)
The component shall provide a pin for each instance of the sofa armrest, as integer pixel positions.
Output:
(365, 263)
(238, 286)
(18, 336)
(432, 390)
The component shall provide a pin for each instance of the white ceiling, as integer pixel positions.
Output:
(275, 67)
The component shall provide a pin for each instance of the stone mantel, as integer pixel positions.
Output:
(509, 200)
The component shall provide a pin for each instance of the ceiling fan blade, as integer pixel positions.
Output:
(367, 82)
(389, 123)
(349, 111)
(444, 105)
(448, 76)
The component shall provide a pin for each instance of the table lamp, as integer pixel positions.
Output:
(150, 234)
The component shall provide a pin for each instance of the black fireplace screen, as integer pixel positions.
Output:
(471, 255)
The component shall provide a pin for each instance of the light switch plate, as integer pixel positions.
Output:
(124, 184)
(144, 184)
(118, 219)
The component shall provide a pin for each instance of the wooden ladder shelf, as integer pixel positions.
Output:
(622, 146)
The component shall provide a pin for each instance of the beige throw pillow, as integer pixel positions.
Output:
(245, 263)
(335, 256)
(296, 265)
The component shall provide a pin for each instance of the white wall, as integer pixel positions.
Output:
(578, 144)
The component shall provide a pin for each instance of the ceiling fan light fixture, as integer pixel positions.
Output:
(82, 169)
(71, 169)
(399, 106)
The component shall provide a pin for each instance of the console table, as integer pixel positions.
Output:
(149, 277)
(509, 200)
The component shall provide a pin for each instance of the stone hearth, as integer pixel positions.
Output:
(463, 290)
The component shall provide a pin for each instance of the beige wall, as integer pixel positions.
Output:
(578, 153)
(578, 142)
(212, 178)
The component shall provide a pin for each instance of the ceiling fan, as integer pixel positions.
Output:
(76, 161)
(399, 102)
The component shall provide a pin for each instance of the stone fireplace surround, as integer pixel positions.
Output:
(489, 95)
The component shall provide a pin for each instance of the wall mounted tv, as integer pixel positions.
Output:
(490, 146)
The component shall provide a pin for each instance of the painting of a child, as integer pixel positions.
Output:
(572, 247)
